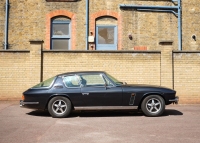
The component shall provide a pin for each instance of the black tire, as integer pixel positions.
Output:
(59, 107)
(153, 106)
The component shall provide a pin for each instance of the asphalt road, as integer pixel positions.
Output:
(179, 124)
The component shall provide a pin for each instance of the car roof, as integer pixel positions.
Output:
(81, 72)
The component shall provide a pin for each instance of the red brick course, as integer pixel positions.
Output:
(140, 48)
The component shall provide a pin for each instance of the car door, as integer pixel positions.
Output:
(95, 92)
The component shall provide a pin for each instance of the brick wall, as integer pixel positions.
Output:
(28, 20)
(187, 76)
(14, 74)
(191, 24)
(129, 67)
(147, 28)
(2, 23)
(20, 70)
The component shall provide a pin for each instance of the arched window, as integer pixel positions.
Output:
(60, 33)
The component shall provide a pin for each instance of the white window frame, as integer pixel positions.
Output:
(61, 37)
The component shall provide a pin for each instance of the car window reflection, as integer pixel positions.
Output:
(71, 81)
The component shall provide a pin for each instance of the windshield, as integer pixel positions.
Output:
(117, 82)
(46, 83)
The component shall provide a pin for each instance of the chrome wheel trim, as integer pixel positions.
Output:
(59, 107)
(153, 105)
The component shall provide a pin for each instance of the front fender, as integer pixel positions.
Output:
(140, 97)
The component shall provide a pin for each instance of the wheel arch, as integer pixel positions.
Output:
(148, 94)
(55, 95)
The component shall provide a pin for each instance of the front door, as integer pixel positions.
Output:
(106, 37)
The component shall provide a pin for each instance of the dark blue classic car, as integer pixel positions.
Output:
(95, 90)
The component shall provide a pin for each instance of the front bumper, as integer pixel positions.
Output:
(175, 100)
(24, 104)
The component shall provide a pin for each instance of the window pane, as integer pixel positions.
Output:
(45, 83)
(92, 80)
(108, 82)
(71, 81)
(60, 44)
(60, 29)
(115, 80)
(106, 35)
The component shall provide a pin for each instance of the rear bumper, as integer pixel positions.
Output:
(175, 100)
(28, 104)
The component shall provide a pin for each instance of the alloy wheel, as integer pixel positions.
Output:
(153, 105)
(59, 107)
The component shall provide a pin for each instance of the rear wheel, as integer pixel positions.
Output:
(59, 107)
(153, 105)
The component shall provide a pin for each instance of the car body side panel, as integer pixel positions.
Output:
(102, 96)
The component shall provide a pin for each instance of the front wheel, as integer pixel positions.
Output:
(153, 105)
(59, 107)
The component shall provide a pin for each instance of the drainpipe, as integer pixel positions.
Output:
(6, 25)
(87, 15)
(162, 9)
(179, 26)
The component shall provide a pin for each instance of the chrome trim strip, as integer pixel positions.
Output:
(85, 93)
(176, 99)
(106, 108)
(22, 103)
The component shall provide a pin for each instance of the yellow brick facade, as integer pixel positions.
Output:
(28, 20)
(173, 69)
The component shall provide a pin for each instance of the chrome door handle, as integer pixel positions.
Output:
(85, 93)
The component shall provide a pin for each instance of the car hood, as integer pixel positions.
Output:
(145, 86)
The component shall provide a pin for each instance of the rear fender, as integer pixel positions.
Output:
(54, 95)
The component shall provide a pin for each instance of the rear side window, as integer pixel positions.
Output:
(71, 81)
(46, 83)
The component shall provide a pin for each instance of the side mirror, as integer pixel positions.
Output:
(124, 83)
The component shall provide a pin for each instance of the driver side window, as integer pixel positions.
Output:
(92, 80)
(108, 83)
